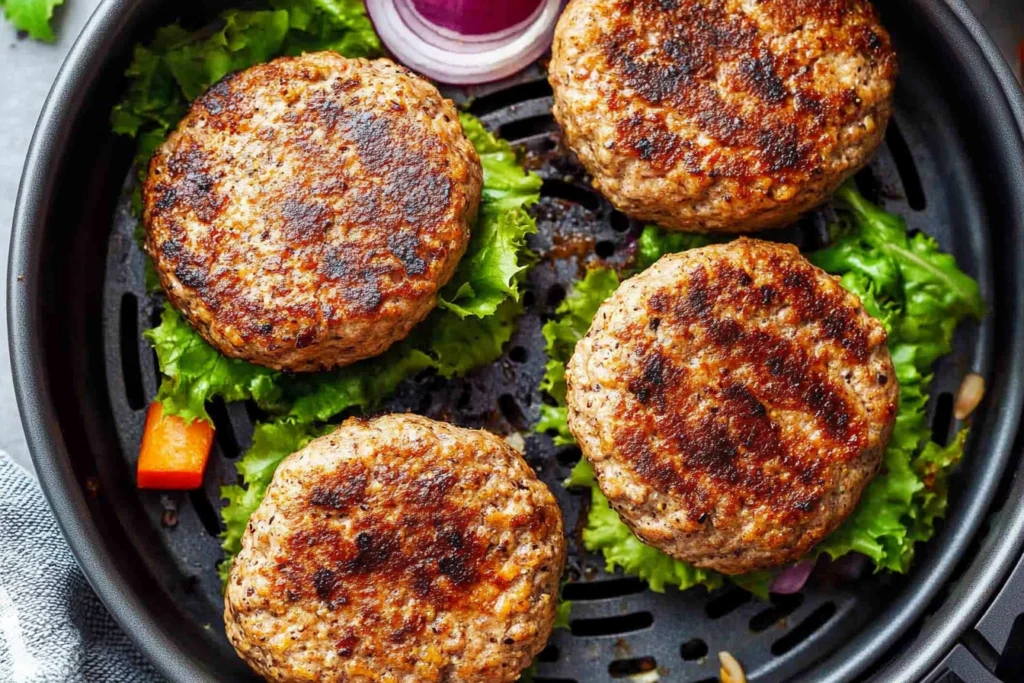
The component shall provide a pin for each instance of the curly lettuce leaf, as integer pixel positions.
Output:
(444, 343)
(339, 25)
(32, 17)
(562, 613)
(488, 273)
(920, 295)
(654, 243)
(572, 320)
(194, 372)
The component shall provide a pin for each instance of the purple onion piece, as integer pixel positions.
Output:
(792, 579)
(476, 17)
(850, 567)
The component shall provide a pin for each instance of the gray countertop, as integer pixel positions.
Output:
(27, 68)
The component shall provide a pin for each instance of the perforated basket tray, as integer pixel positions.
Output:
(85, 375)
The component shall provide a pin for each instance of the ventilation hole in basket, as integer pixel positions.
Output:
(569, 456)
(602, 590)
(624, 668)
(548, 654)
(983, 651)
(464, 399)
(510, 409)
(131, 365)
(223, 431)
(606, 626)
(804, 630)
(570, 192)
(782, 607)
(943, 418)
(205, 511)
(1011, 662)
(556, 295)
(693, 649)
(518, 354)
(505, 97)
(619, 221)
(604, 249)
(726, 603)
(527, 128)
(905, 165)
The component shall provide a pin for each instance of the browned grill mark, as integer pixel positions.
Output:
(771, 127)
(347, 488)
(414, 531)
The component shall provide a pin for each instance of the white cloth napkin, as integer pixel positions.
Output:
(53, 628)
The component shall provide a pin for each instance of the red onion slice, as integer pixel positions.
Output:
(463, 56)
(792, 579)
(469, 18)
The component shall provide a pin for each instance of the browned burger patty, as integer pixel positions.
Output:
(399, 550)
(306, 211)
(721, 115)
(734, 401)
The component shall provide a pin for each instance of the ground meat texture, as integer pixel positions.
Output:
(734, 401)
(306, 211)
(721, 115)
(399, 550)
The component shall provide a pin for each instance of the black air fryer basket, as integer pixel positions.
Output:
(952, 164)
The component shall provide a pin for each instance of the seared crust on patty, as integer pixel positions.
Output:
(734, 401)
(306, 211)
(721, 115)
(401, 550)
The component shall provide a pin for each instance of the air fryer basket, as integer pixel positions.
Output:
(951, 164)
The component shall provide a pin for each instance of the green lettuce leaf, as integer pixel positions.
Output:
(572, 320)
(655, 243)
(488, 274)
(194, 372)
(32, 16)
(920, 295)
(562, 613)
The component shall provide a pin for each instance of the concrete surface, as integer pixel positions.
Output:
(27, 68)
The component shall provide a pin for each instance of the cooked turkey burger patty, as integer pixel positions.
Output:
(402, 550)
(712, 115)
(734, 401)
(306, 211)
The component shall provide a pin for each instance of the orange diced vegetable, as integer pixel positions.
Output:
(174, 453)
